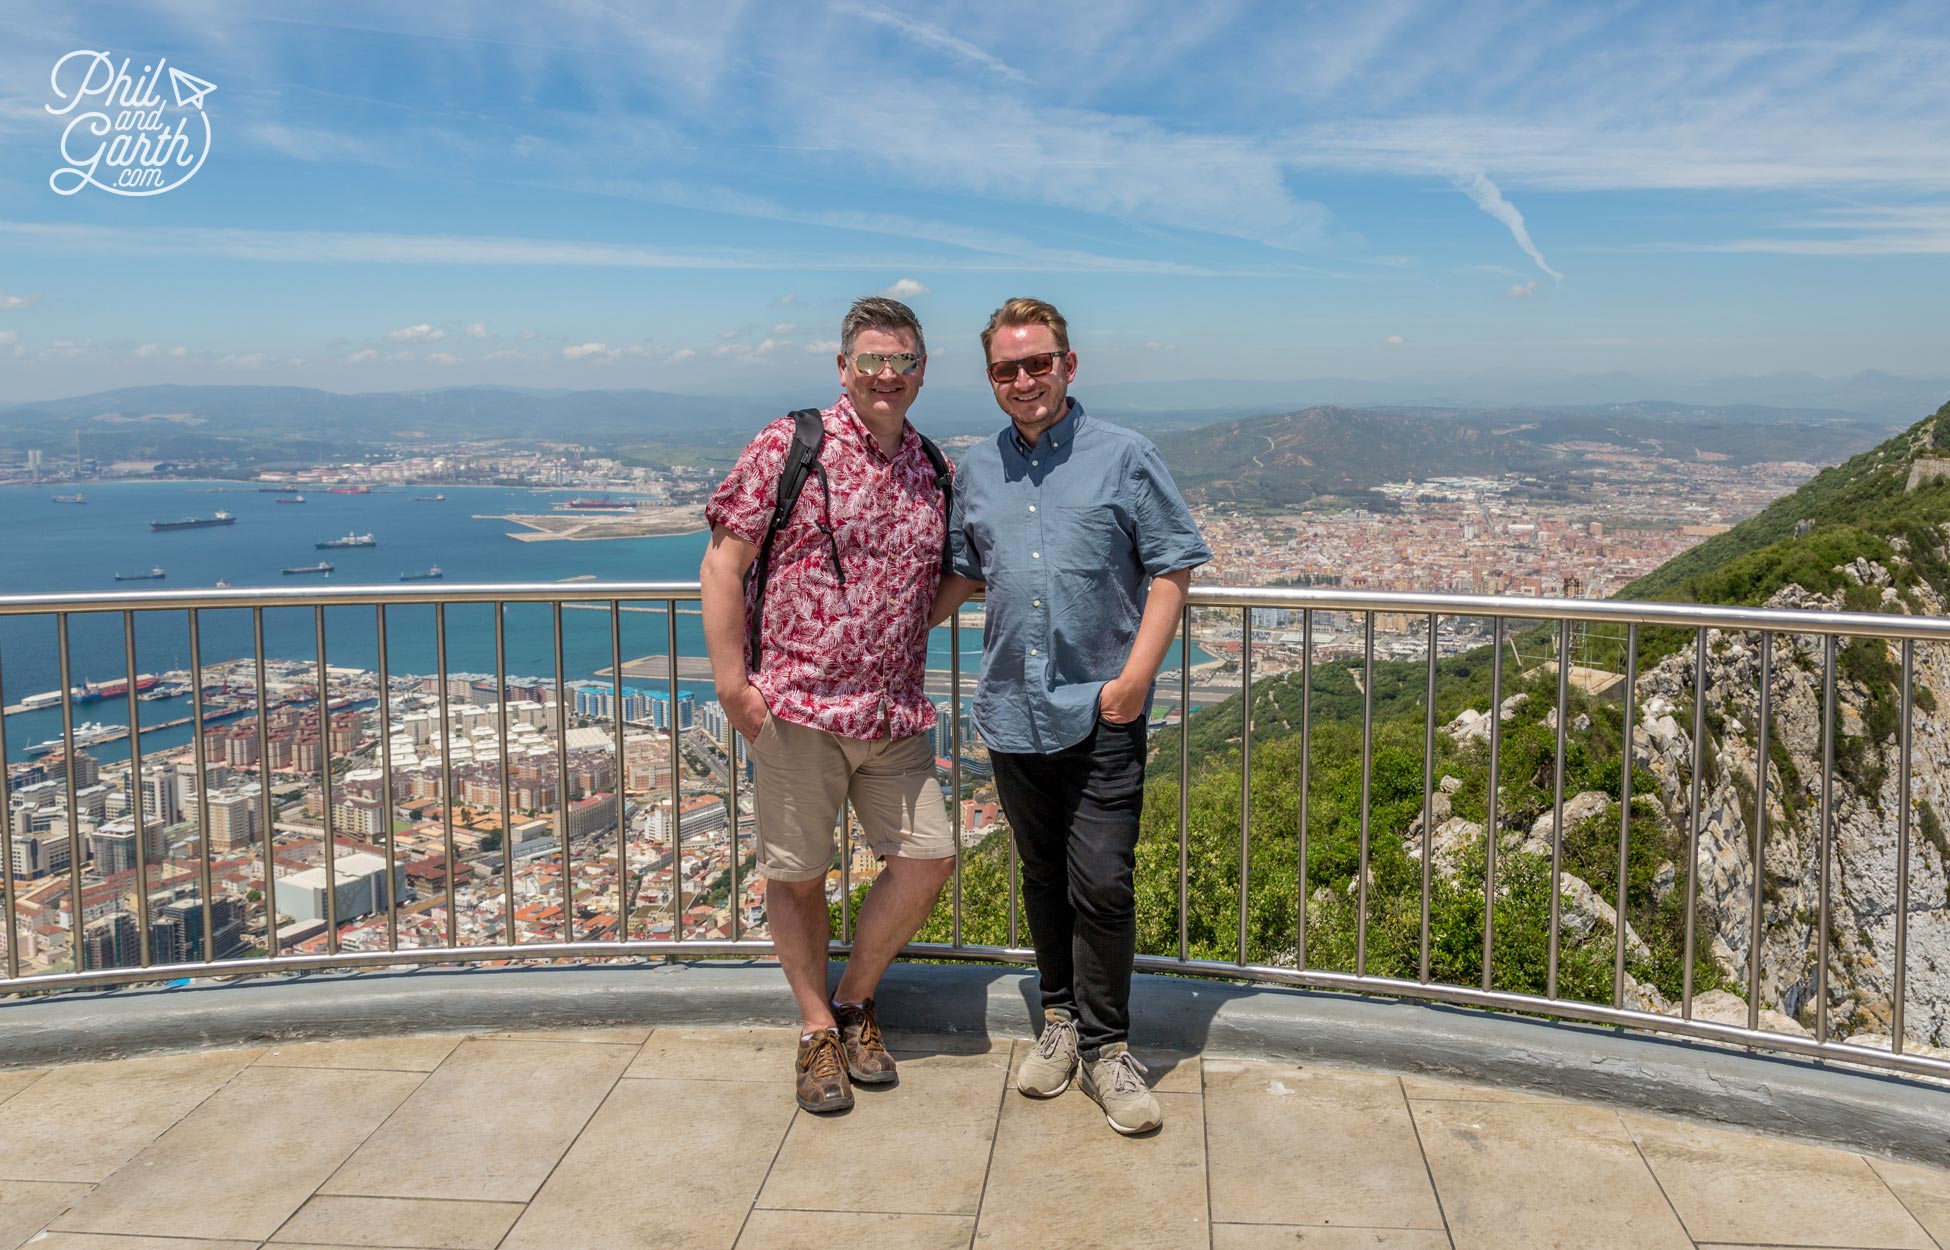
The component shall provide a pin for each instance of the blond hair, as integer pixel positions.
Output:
(1027, 312)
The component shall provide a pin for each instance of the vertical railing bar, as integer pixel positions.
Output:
(325, 771)
(1557, 803)
(1755, 919)
(737, 890)
(568, 926)
(1490, 813)
(1245, 772)
(1184, 781)
(846, 872)
(7, 859)
(1619, 922)
(385, 777)
(135, 797)
(676, 771)
(446, 767)
(1428, 800)
(201, 757)
(1901, 980)
(622, 833)
(1827, 834)
(1693, 821)
(265, 815)
(954, 767)
(1014, 933)
(1306, 758)
(76, 947)
(1367, 789)
(507, 791)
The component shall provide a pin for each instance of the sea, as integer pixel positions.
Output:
(56, 548)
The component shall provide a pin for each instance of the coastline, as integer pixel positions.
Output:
(585, 527)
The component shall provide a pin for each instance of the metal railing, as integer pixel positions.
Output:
(1690, 624)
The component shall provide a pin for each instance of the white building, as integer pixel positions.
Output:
(361, 881)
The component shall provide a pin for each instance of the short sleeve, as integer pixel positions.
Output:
(743, 502)
(963, 559)
(1167, 538)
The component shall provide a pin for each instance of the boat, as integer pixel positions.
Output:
(601, 503)
(290, 499)
(350, 540)
(84, 735)
(223, 583)
(91, 692)
(77, 497)
(323, 566)
(429, 498)
(151, 575)
(195, 522)
(431, 575)
(350, 490)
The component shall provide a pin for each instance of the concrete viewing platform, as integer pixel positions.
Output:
(671, 1134)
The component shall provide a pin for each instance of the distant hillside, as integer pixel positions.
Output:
(1328, 452)
(1853, 509)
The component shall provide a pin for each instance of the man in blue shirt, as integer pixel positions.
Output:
(1086, 549)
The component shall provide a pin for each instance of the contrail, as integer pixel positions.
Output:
(1480, 189)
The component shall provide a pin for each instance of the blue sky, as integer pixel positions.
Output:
(686, 197)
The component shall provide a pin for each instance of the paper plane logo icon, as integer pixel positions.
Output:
(189, 89)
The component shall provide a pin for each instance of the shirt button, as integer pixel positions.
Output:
(1034, 463)
(1035, 603)
(1035, 555)
(1033, 651)
(1032, 507)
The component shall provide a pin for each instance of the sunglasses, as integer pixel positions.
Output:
(1037, 366)
(871, 363)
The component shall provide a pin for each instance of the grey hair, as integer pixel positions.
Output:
(877, 312)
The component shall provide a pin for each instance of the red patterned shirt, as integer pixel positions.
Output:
(845, 658)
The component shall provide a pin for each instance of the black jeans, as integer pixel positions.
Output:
(1075, 816)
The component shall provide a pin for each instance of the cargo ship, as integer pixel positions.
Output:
(429, 498)
(91, 692)
(151, 575)
(349, 490)
(322, 566)
(350, 540)
(290, 499)
(601, 504)
(195, 522)
(77, 497)
(431, 575)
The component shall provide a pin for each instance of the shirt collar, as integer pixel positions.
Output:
(1056, 436)
(850, 421)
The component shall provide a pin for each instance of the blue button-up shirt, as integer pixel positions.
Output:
(1066, 535)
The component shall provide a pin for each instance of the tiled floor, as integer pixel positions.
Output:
(689, 1138)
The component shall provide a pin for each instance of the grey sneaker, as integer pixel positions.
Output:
(1116, 1080)
(1047, 1071)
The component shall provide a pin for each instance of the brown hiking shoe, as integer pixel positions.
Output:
(867, 1060)
(823, 1086)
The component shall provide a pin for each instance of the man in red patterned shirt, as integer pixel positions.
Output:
(836, 708)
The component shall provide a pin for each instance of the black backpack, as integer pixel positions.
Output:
(801, 461)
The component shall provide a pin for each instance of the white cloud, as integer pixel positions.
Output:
(905, 288)
(786, 301)
(422, 333)
(365, 357)
(179, 352)
(477, 330)
(252, 360)
(784, 327)
(579, 351)
(682, 353)
(1522, 290)
(10, 302)
(148, 351)
(765, 347)
(9, 337)
(1488, 198)
(828, 345)
(400, 358)
(1394, 340)
(442, 358)
(934, 37)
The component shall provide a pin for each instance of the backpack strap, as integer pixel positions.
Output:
(944, 478)
(808, 434)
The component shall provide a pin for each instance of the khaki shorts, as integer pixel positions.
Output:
(802, 774)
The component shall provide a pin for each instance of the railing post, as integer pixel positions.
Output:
(1756, 928)
(1185, 781)
(1900, 981)
(1306, 760)
(385, 772)
(1620, 926)
(446, 767)
(325, 779)
(1490, 813)
(1557, 803)
(1428, 801)
(1693, 823)
(135, 797)
(1367, 788)
(1245, 773)
(1827, 834)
